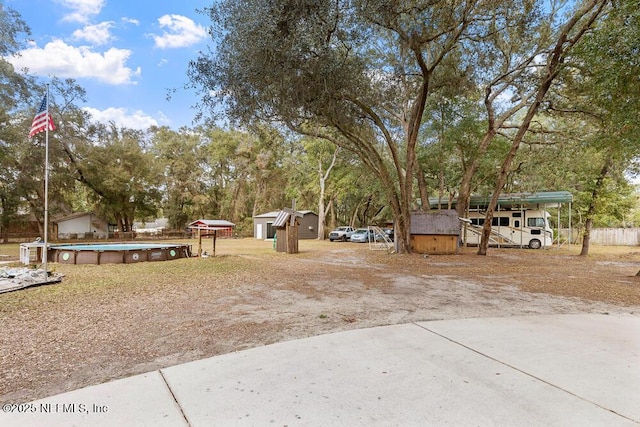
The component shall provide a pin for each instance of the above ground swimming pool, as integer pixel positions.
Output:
(117, 253)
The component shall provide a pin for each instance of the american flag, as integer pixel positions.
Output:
(42, 119)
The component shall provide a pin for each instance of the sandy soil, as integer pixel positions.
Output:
(62, 337)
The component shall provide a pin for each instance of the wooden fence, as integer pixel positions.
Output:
(605, 236)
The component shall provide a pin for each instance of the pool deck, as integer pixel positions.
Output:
(23, 278)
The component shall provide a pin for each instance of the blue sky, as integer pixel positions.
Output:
(125, 53)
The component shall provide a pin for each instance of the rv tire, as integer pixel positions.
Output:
(535, 244)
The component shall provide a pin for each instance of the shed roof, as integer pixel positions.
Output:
(281, 219)
(274, 214)
(441, 222)
(211, 224)
(284, 215)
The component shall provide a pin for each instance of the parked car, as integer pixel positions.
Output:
(341, 233)
(363, 235)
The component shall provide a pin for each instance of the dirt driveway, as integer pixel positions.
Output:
(96, 326)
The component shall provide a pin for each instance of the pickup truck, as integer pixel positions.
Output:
(341, 233)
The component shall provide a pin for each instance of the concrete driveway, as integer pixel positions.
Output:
(542, 370)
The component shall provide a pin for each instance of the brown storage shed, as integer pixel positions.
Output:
(435, 232)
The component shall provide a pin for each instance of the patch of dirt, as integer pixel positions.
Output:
(62, 337)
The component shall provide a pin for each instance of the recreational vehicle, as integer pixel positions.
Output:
(522, 228)
(520, 219)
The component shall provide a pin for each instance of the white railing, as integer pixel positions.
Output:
(380, 241)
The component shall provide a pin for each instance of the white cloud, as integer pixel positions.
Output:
(130, 21)
(163, 62)
(180, 32)
(164, 120)
(97, 35)
(59, 59)
(122, 118)
(82, 10)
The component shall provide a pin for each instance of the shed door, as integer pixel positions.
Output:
(259, 231)
(270, 230)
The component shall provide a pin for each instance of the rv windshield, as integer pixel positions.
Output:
(535, 222)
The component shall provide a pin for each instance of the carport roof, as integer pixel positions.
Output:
(516, 199)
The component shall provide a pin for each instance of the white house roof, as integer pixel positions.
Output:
(74, 216)
(156, 223)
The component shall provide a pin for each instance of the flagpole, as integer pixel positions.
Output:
(45, 250)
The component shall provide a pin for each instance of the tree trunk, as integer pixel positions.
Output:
(323, 179)
(552, 68)
(464, 193)
(321, 211)
(332, 215)
(354, 216)
(367, 205)
(586, 237)
(4, 220)
(422, 187)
